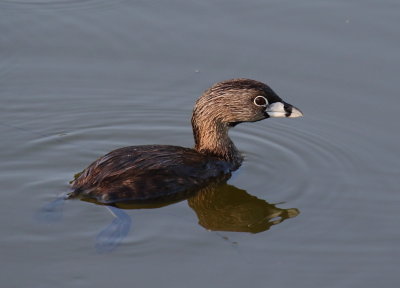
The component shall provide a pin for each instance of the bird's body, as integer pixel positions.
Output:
(148, 172)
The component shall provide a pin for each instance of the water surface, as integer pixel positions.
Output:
(80, 78)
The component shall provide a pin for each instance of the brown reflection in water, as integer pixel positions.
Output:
(225, 207)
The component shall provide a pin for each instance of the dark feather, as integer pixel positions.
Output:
(147, 172)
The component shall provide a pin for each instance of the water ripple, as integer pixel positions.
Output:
(281, 158)
(296, 162)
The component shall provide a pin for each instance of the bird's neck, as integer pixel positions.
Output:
(211, 138)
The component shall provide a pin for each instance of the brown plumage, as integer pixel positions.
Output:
(142, 173)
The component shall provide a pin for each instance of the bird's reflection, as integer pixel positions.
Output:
(219, 207)
(225, 207)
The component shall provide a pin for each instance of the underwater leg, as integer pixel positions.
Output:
(111, 237)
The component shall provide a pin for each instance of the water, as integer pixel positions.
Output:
(80, 78)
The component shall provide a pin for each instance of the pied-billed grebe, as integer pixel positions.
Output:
(147, 172)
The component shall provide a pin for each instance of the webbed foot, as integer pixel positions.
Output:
(111, 237)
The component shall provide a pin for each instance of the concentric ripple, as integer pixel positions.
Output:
(282, 160)
(285, 161)
(291, 160)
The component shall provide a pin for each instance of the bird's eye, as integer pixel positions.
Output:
(260, 101)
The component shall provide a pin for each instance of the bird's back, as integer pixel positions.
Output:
(142, 173)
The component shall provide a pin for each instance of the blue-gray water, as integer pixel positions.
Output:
(81, 78)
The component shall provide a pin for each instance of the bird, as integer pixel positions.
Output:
(150, 172)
